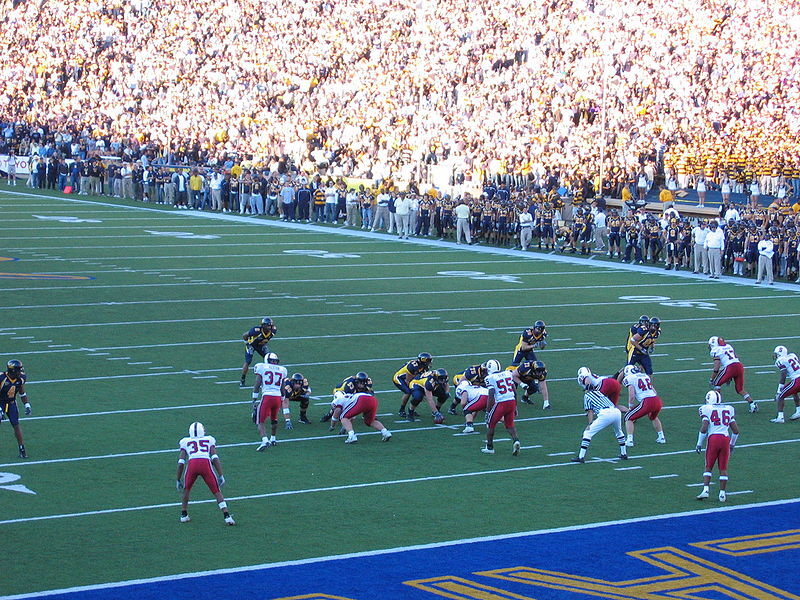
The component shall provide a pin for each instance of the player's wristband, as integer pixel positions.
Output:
(734, 437)
(255, 395)
(215, 457)
(181, 461)
(701, 438)
(24, 397)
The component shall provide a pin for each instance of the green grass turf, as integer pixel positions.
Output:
(335, 316)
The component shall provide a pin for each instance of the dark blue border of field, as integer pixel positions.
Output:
(595, 551)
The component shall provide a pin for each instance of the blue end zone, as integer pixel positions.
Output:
(589, 562)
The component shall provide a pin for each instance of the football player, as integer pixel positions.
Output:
(360, 383)
(200, 450)
(718, 420)
(12, 385)
(257, 339)
(789, 366)
(647, 403)
(297, 389)
(532, 377)
(472, 399)
(268, 397)
(473, 375)
(532, 338)
(501, 405)
(402, 379)
(727, 368)
(347, 406)
(430, 385)
(641, 342)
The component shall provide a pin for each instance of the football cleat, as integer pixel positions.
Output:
(795, 415)
(469, 429)
(304, 419)
(517, 447)
(629, 444)
(526, 399)
(623, 457)
(242, 384)
(753, 407)
(412, 415)
(23, 453)
(451, 411)
(351, 439)
(702, 495)
(262, 446)
(185, 519)
(229, 520)
(402, 413)
(487, 450)
(661, 440)
(777, 420)
(385, 437)
(722, 496)
(577, 459)
(546, 406)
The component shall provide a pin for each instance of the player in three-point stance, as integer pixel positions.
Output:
(718, 420)
(268, 398)
(473, 399)
(727, 368)
(648, 404)
(346, 407)
(789, 366)
(601, 413)
(12, 385)
(200, 451)
(501, 405)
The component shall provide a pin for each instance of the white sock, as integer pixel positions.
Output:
(223, 505)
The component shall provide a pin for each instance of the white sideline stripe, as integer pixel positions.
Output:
(119, 358)
(663, 476)
(349, 486)
(531, 447)
(740, 492)
(684, 359)
(316, 297)
(626, 468)
(139, 410)
(699, 484)
(259, 255)
(560, 453)
(396, 550)
(214, 243)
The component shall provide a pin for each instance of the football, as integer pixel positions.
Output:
(438, 419)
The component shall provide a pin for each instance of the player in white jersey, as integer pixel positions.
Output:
(601, 413)
(717, 421)
(501, 404)
(789, 366)
(473, 399)
(643, 401)
(268, 397)
(200, 450)
(345, 407)
(727, 368)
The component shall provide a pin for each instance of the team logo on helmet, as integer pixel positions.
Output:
(780, 351)
(14, 367)
(583, 373)
(492, 366)
(425, 358)
(630, 370)
(713, 397)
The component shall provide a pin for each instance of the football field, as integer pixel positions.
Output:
(128, 320)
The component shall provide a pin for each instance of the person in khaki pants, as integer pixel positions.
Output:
(715, 242)
(765, 251)
(462, 222)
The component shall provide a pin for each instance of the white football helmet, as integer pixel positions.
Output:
(780, 351)
(583, 373)
(630, 370)
(713, 342)
(338, 395)
(196, 430)
(713, 397)
(492, 366)
(271, 358)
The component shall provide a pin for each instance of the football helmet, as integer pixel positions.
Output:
(539, 326)
(780, 351)
(14, 367)
(266, 323)
(425, 358)
(338, 395)
(644, 320)
(440, 375)
(196, 430)
(492, 366)
(655, 323)
(272, 358)
(361, 381)
(713, 341)
(713, 397)
(583, 373)
(630, 370)
(297, 378)
(539, 368)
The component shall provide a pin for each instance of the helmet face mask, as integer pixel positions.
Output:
(654, 323)
(644, 320)
(272, 358)
(440, 375)
(14, 367)
(539, 326)
(266, 324)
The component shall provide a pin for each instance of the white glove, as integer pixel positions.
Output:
(289, 425)
(698, 449)
(28, 409)
(179, 485)
(221, 480)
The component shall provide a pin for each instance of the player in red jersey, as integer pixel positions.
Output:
(346, 407)
(648, 404)
(717, 419)
(200, 450)
(727, 368)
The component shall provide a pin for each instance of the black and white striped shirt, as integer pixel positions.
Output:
(595, 401)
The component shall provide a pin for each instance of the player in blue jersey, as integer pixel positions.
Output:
(256, 339)
(12, 386)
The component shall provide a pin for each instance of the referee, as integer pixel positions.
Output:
(601, 413)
